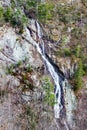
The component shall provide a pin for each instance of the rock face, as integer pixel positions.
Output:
(21, 74)
(13, 51)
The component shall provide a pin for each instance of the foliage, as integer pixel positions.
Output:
(68, 13)
(84, 60)
(64, 39)
(29, 68)
(10, 69)
(31, 3)
(15, 16)
(78, 76)
(1, 11)
(78, 51)
(64, 52)
(19, 66)
(49, 97)
(1, 16)
(31, 118)
(45, 11)
(8, 13)
(76, 32)
(85, 68)
(19, 18)
(67, 52)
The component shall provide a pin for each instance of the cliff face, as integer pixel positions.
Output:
(24, 104)
(22, 74)
(17, 84)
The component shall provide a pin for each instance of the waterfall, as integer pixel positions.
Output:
(65, 101)
(40, 48)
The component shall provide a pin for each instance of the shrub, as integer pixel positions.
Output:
(78, 76)
(31, 118)
(67, 52)
(1, 11)
(19, 18)
(64, 52)
(63, 11)
(78, 51)
(49, 90)
(76, 32)
(1, 16)
(85, 68)
(31, 3)
(64, 39)
(29, 68)
(45, 11)
(15, 17)
(8, 13)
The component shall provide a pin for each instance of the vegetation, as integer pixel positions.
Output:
(64, 52)
(49, 90)
(15, 17)
(85, 68)
(1, 11)
(1, 16)
(45, 11)
(78, 76)
(24, 72)
(61, 17)
(78, 51)
(29, 114)
(76, 32)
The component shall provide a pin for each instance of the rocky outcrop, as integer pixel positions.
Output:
(16, 85)
(22, 69)
(22, 73)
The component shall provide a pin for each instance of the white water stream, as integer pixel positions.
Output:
(58, 106)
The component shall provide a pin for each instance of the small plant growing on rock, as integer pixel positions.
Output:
(78, 51)
(1, 11)
(1, 16)
(49, 96)
(78, 76)
(8, 13)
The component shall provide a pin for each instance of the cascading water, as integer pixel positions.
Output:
(58, 106)
(64, 96)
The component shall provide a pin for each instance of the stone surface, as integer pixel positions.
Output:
(16, 97)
